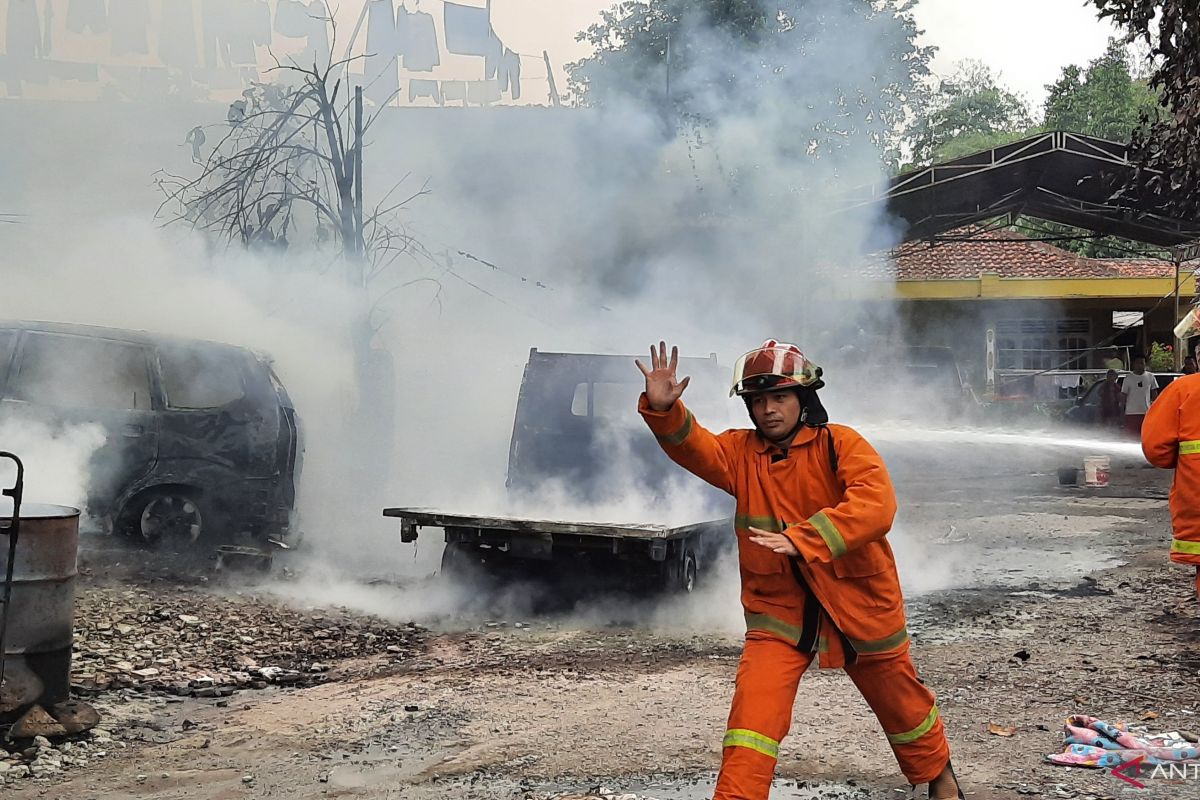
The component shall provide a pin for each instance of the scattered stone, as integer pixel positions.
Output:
(36, 722)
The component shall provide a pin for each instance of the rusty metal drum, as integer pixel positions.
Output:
(41, 618)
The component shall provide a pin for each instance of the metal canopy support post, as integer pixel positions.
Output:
(1178, 348)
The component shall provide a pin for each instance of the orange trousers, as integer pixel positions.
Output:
(767, 678)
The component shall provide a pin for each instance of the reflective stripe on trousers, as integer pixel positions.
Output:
(761, 715)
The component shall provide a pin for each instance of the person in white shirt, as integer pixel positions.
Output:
(1139, 390)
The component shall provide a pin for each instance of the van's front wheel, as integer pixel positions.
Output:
(170, 517)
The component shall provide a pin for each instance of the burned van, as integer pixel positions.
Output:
(200, 440)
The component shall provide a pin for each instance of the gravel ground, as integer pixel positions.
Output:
(1036, 604)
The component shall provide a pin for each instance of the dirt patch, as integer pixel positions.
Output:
(560, 706)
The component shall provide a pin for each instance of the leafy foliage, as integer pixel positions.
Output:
(1103, 100)
(1162, 358)
(710, 59)
(968, 111)
(1169, 150)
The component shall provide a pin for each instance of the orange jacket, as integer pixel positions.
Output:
(837, 522)
(1171, 439)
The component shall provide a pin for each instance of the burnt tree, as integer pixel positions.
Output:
(286, 173)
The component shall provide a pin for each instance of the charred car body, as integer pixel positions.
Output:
(200, 440)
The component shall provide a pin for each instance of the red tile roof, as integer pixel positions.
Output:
(1008, 254)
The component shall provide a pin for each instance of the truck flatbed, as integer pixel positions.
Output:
(431, 518)
(669, 556)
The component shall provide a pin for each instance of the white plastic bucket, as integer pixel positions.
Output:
(1095, 470)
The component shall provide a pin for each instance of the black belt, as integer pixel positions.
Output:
(812, 619)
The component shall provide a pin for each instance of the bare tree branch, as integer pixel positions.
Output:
(282, 174)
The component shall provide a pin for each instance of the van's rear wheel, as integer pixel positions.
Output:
(169, 517)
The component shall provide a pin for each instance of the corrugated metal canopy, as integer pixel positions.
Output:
(1057, 176)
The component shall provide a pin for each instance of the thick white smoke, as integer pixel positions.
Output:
(562, 229)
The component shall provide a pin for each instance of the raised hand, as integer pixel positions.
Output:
(662, 389)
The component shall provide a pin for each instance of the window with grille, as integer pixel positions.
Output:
(1042, 344)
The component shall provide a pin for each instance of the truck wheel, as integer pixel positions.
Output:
(456, 560)
(688, 572)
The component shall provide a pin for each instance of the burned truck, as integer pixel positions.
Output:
(576, 429)
(198, 441)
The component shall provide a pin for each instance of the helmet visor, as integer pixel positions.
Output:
(771, 367)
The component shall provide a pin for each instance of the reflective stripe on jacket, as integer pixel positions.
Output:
(837, 521)
(1171, 439)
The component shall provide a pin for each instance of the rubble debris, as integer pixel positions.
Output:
(21, 687)
(231, 557)
(36, 722)
(165, 641)
(45, 759)
(75, 716)
(1001, 730)
(598, 793)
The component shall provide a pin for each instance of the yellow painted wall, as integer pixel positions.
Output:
(990, 286)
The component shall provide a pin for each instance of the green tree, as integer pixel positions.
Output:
(1102, 100)
(710, 59)
(1169, 147)
(968, 111)
(1105, 99)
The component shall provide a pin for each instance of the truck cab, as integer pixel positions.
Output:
(577, 423)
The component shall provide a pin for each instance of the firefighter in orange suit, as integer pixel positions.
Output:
(814, 503)
(1171, 440)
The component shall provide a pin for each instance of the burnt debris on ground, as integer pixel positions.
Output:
(159, 639)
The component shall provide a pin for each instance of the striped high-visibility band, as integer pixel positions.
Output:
(830, 533)
(916, 733)
(740, 737)
(679, 435)
(768, 624)
(748, 521)
(794, 633)
(1184, 546)
(870, 646)
(1189, 448)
